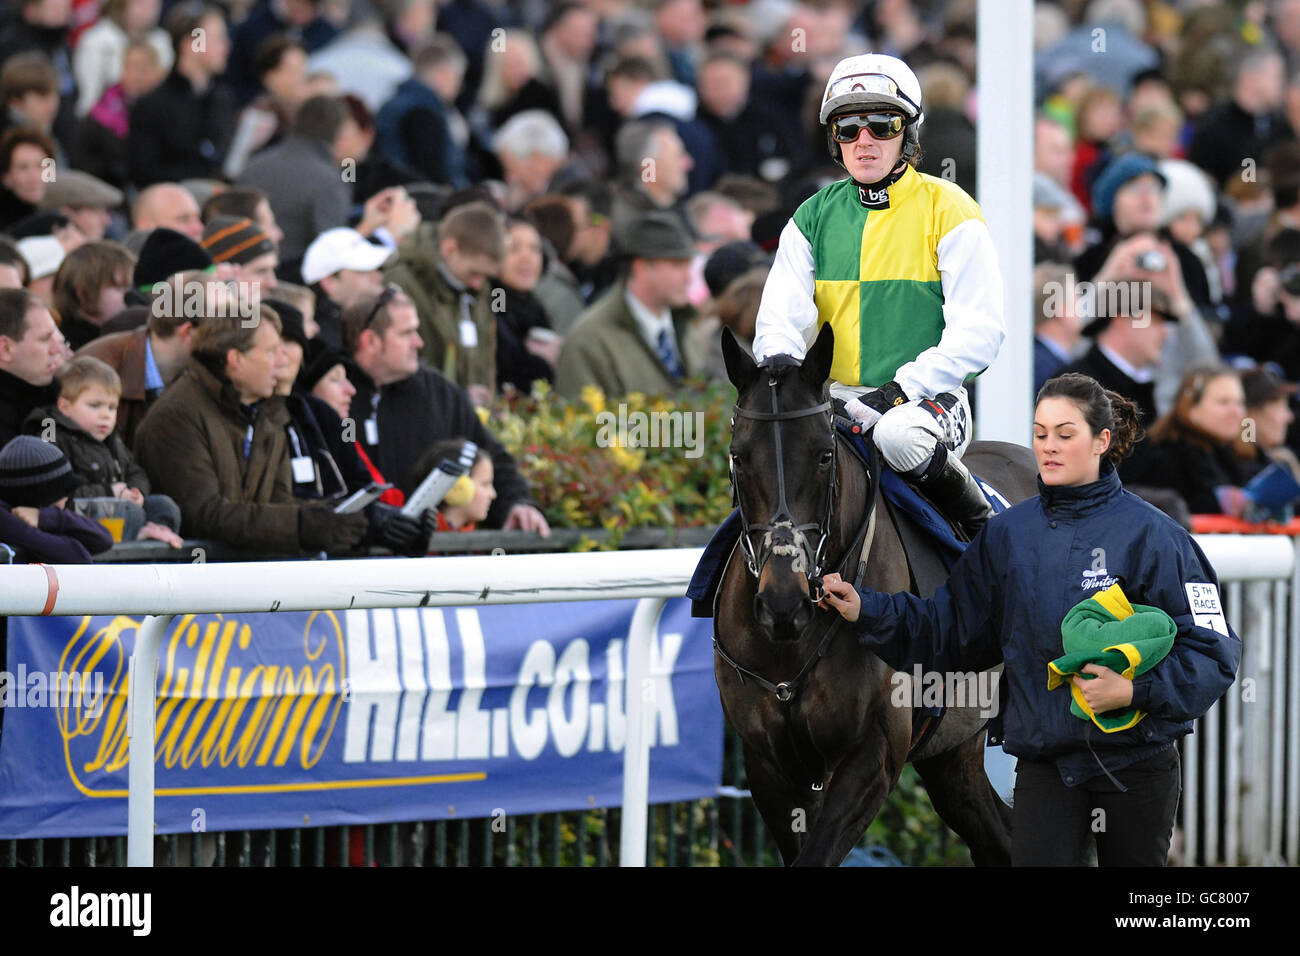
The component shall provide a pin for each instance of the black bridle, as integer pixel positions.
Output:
(784, 519)
(786, 690)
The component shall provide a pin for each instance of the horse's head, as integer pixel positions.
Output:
(783, 471)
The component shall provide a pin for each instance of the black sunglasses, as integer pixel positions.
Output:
(845, 129)
(388, 295)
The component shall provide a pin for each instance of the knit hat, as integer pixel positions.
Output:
(34, 473)
(317, 359)
(165, 253)
(44, 255)
(231, 239)
(1116, 175)
(291, 326)
(1187, 187)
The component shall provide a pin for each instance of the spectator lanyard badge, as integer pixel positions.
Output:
(468, 330)
(304, 469)
(372, 423)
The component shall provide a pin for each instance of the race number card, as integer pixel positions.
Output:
(1207, 609)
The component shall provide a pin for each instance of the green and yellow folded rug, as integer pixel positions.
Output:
(1106, 629)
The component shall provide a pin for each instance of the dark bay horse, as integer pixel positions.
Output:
(825, 732)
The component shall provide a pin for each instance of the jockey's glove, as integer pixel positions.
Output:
(869, 408)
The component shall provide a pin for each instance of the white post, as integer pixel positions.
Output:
(636, 747)
(1253, 722)
(141, 707)
(1005, 147)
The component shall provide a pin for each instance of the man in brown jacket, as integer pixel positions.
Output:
(215, 442)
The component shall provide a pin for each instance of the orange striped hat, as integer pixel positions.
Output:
(231, 239)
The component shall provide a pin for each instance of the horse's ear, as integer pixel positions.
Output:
(816, 366)
(741, 369)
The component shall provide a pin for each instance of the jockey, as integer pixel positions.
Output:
(902, 265)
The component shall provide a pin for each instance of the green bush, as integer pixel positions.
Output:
(582, 480)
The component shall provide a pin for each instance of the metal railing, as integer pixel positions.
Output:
(1241, 766)
(1240, 804)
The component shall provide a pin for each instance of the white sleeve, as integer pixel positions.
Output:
(91, 66)
(787, 314)
(974, 326)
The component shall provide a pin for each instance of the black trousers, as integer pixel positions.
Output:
(1050, 822)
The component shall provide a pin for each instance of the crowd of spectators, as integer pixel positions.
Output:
(1165, 191)
(291, 248)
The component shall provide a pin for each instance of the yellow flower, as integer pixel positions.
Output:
(628, 460)
(483, 414)
(594, 398)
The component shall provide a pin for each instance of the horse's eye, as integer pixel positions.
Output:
(827, 458)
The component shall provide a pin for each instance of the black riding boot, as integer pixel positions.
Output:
(948, 483)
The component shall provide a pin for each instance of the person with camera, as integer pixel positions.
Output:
(1145, 260)
(1126, 202)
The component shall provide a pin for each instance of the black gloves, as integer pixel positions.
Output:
(875, 403)
(391, 529)
(320, 529)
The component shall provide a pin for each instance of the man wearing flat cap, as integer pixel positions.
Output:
(630, 340)
(1128, 333)
(85, 199)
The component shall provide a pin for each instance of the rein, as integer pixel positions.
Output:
(786, 689)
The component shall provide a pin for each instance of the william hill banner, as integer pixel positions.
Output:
(327, 718)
